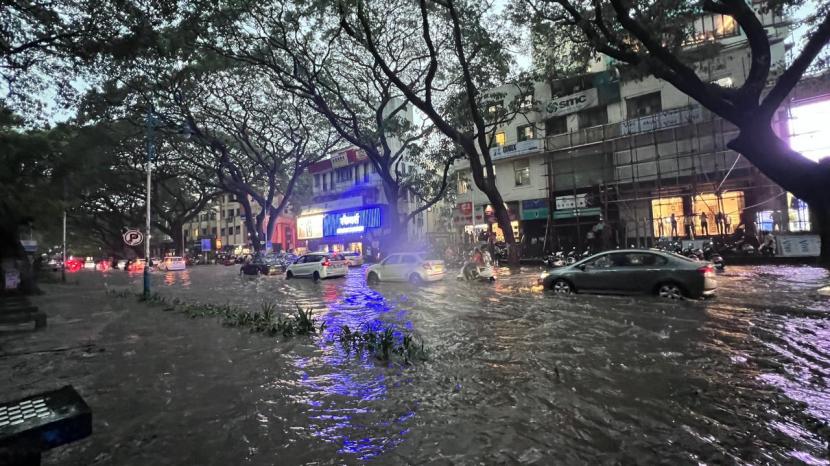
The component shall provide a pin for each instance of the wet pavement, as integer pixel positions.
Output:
(515, 375)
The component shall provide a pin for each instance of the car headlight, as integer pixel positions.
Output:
(543, 275)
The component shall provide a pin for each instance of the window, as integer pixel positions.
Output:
(366, 172)
(213, 215)
(463, 185)
(526, 132)
(325, 181)
(521, 169)
(392, 260)
(316, 181)
(222, 231)
(356, 174)
(344, 174)
(711, 27)
(556, 125)
(237, 230)
(238, 211)
(644, 260)
(204, 231)
(499, 140)
(230, 213)
(593, 117)
(408, 260)
(643, 105)
(213, 231)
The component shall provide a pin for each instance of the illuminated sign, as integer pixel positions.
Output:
(351, 222)
(310, 227)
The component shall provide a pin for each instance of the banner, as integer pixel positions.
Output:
(310, 227)
(798, 245)
(571, 103)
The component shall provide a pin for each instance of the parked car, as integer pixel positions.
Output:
(317, 266)
(173, 263)
(412, 267)
(261, 266)
(635, 271)
(74, 264)
(353, 258)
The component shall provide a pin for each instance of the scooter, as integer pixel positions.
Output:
(472, 271)
(556, 259)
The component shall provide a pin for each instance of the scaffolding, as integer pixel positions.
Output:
(631, 170)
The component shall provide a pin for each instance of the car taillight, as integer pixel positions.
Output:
(326, 263)
(426, 266)
(706, 270)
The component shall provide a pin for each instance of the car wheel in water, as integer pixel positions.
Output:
(561, 286)
(670, 291)
(415, 279)
(289, 275)
(372, 279)
(316, 277)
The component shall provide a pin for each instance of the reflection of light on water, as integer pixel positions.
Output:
(181, 277)
(343, 388)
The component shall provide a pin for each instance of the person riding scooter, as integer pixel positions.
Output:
(480, 266)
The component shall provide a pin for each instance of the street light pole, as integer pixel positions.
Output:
(150, 122)
(63, 262)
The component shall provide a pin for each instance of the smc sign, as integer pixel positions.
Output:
(351, 222)
(572, 103)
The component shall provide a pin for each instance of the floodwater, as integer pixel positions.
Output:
(519, 376)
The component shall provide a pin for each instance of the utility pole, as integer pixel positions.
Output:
(150, 123)
(63, 262)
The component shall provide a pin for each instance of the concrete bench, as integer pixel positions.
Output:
(18, 310)
(32, 425)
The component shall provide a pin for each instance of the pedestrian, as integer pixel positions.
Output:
(727, 223)
(719, 222)
(689, 225)
(660, 231)
(673, 221)
(704, 224)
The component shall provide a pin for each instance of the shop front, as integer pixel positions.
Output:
(484, 219)
(534, 226)
(356, 230)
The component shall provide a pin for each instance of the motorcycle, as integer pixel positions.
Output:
(712, 255)
(472, 271)
(555, 259)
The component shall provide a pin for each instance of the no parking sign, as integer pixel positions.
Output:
(133, 237)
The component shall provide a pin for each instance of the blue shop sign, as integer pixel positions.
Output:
(206, 244)
(345, 223)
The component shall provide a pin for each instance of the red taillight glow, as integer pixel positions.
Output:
(326, 263)
(706, 270)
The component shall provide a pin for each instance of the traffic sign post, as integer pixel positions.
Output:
(132, 237)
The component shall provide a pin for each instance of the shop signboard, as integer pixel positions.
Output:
(572, 201)
(565, 105)
(519, 148)
(663, 120)
(340, 159)
(571, 213)
(310, 227)
(534, 209)
(356, 221)
(798, 245)
(490, 213)
(206, 244)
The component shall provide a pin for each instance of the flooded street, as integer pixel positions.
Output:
(515, 375)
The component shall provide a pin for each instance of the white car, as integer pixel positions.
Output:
(317, 266)
(412, 267)
(89, 263)
(172, 263)
(355, 259)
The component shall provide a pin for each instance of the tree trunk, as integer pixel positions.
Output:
(177, 234)
(503, 219)
(398, 236)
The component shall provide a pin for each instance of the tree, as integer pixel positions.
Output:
(653, 36)
(446, 74)
(255, 140)
(307, 54)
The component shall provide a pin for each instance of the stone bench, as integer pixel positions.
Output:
(18, 310)
(32, 425)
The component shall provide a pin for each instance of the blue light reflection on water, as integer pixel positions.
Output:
(347, 390)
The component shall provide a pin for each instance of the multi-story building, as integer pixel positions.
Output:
(223, 222)
(631, 154)
(349, 207)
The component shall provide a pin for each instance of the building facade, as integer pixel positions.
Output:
(613, 158)
(223, 223)
(349, 209)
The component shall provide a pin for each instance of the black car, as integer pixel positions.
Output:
(261, 267)
(635, 271)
